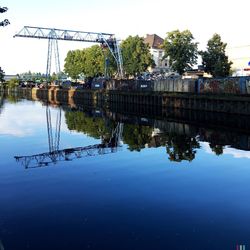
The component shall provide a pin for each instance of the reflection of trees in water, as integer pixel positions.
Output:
(181, 147)
(96, 127)
(217, 139)
(181, 144)
(1, 101)
(137, 136)
(217, 149)
(13, 98)
(10, 97)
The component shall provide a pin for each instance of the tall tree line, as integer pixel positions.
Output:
(90, 62)
(180, 49)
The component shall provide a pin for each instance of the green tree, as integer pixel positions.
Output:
(214, 59)
(94, 61)
(74, 63)
(181, 50)
(12, 83)
(89, 62)
(136, 56)
(29, 76)
(1, 75)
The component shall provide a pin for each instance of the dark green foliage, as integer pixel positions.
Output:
(94, 61)
(38, 77)
(181, 50)
(1, 75)
(181, 147)
(214, 59)
(136, 56)
(136, 136)
(92, 126)
(89, 62)
(217, 149)
(74, 63)
(12, 83)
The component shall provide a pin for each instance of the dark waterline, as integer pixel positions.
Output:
(168, 183)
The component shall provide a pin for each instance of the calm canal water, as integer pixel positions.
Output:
(109, 181)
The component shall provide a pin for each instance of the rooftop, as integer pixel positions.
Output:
(154, 41)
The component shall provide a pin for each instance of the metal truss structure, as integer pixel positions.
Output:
(55, 155)
(53, 140)
(50, 34)
(69, 154)
(53, 47)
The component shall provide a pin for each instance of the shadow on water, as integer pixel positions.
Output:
(139, 127)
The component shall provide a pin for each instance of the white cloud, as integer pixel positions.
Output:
(236, 153)
(26, 119)
(205, 146)
(11, 124)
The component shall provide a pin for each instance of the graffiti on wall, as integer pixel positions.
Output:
(219, 86)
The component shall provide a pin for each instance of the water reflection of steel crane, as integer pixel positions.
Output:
(55, 155)
(53, 139)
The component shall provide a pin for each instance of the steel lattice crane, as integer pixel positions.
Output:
(54, 35)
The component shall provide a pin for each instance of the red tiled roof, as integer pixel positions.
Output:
(154, 41)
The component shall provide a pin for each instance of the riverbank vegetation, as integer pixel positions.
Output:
(91, 61)
(180, 49)
(214, 59)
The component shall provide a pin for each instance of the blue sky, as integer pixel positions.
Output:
(203, 18)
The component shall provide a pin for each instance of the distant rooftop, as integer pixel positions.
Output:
(154, 41)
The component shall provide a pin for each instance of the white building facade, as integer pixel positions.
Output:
(156, 49)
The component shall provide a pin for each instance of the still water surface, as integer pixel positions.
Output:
(119, 185)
